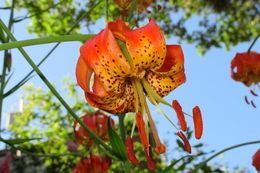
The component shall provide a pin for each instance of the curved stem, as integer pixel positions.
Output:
(46, 40)
(2, 86)
(95, 138)
(224, 150)
(169, 167)
(252, 44)
(121, 118)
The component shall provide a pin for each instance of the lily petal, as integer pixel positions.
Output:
(104, 57)
(83, 74)
(115, 105)
(174, 61)
(146, 45)
(110, 102)
(163, 85)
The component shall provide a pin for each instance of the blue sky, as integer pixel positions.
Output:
(227, 118)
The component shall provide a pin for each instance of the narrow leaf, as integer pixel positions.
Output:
(9, 61)
(17, 86)
(8, 79)
(116, 142)
(2, 36)
(17, 141)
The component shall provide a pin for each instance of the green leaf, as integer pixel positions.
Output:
(17, 86)
(9, 61)
(17, 141)
(8, 79)
(118, 146)
(2, 36)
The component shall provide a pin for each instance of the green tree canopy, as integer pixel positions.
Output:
(219, 22)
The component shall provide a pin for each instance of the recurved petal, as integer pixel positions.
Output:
(174, 61)
(83, 74)
(117, 105)
(104, 57)
(99, 97)
(146, 45)
(163, 84)
(118, 28)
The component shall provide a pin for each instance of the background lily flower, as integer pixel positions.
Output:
(97, 122)
(5, 163)
(256, 160)
(93, 164)
(245, 67)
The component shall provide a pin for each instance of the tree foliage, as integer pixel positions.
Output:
(218, 23)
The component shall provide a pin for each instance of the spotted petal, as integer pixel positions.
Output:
(122, 104)
(146, 45)
(245, 67)
(171, 74)
(174, 61)
(162, 84)
(103, 55)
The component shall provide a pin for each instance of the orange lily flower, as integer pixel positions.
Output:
(256, 160)
(94, 164)
(245, 67)
(128, 66)
(97, 122)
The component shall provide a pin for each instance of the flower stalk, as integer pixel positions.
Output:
(46, 40)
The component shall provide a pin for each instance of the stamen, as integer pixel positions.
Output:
(140, 93)
(130, 151)
(153, 94)
(140, 126)
(156, 96)
(198, 123)
(149, 159)
(185, 140)
(178, 109)
(253, 93)
(137, 100)
(246, 100)
(162, 112)
(253, 104)
(160, 148)
(133, 128)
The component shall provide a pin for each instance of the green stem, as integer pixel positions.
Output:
(28, 76)
(46, 40)
(33, 153)
(5, 65)
(224, 150)
(121, 118)
(95, 138)
(252, 44)
(169, 167)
